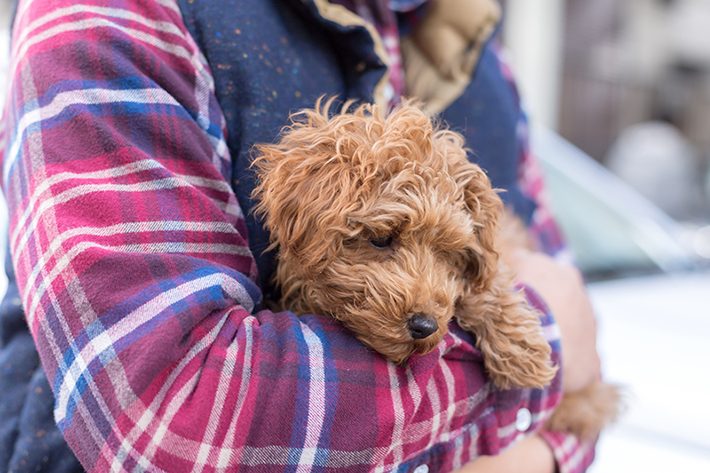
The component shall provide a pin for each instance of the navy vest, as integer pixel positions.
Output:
(273, 57)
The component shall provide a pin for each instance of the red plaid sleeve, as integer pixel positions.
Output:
(131, 259)
(572, 454)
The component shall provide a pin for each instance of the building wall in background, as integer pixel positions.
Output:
(617, 64)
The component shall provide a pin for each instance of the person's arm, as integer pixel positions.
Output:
(562, 288)
(131, 260)
(560, 285)
(530, 455)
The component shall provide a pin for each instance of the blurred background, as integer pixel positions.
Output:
(618, 96)
(627, 82)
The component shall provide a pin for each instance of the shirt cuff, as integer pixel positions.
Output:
(572, 454)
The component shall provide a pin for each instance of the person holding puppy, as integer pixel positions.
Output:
(138, 266)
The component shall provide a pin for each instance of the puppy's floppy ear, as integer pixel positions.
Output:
(299, 197)
(486, 206)
(481, 200)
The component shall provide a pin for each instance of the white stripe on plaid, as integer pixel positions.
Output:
(102, 345)
(418, 431)
(50, 181)
(144, 416)
(432, 390)
(83, 190)
(316, 396)
(229, 459)
(206, 454)
(399, 417)
(230, 207)
(31, 120)
(117, 377)
(145, 248)
(161, 437)
(26, 39)
(204, 80)
(573, 454)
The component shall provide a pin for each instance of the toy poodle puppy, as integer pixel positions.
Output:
(382, 223)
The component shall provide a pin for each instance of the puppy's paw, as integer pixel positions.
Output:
(525, 365)
(585, 413)
(509, 336)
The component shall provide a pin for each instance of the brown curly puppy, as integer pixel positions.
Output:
(382, 223)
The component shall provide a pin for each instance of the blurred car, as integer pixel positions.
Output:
(651, 295)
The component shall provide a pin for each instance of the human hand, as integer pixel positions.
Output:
(531, 455)
(562, 288)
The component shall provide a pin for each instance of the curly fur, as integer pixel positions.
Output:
(380, 218)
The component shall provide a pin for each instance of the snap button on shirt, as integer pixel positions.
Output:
(523, 420)
(421, 469)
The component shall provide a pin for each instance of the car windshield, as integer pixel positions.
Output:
(613, 231)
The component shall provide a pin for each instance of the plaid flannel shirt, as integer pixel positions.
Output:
(130, 253)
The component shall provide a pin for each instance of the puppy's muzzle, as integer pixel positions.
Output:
(421, 325)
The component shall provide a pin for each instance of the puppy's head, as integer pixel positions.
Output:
(380, 222)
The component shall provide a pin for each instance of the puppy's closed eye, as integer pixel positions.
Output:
(382, 242)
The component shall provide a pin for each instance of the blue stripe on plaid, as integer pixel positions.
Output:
(124, 101)
(308, 362)
(210, 294)
(210, 125)
(302, 404)
(330, 385)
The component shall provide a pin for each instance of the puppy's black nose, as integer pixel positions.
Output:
(421, 325)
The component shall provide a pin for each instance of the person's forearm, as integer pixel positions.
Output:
(561, 286)
(531, 455)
